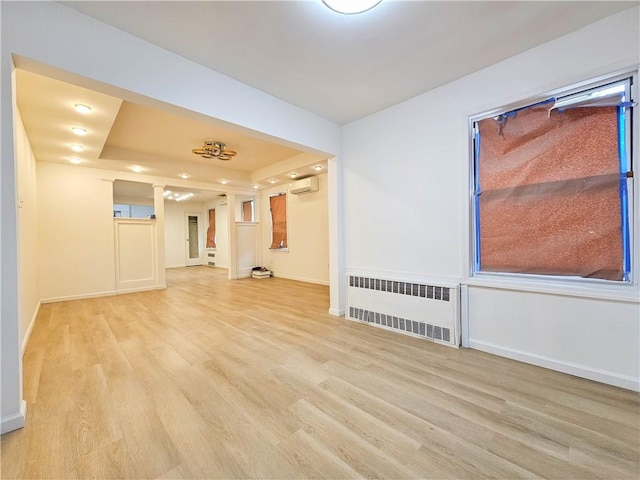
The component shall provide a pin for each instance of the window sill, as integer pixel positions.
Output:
(628, 293)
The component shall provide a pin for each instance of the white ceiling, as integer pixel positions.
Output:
(122, 134)
(346, 67)
(340, 67)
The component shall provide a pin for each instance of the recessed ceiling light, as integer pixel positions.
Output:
(351, 7)
(224, 181)
(184, 196)
(293, 175)
(82, 108)
(75, 160)
(317, 168)
(184, 176)
(256, 186)
(76, 148)
(79, 131)
(137, 168)
(272, 180)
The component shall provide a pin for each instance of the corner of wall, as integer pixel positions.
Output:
(15, 421)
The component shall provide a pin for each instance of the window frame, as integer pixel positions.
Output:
(572, 285)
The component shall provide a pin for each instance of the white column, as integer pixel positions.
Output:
(158, 207)
(337, 285)
(231, 219)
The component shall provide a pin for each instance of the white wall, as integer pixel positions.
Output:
(28, 232)
(307, 258)
(175, 230)
(222, 235)
(124, 200)
(76, 232)
(406, 204)
(136, 254)
(221, 251)
(247, 248)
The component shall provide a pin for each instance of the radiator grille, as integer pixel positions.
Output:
(401, 288)
(407, 325)
(416, 308)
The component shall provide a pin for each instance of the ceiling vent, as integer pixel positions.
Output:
(306, 185)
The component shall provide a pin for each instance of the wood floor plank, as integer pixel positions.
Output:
(363, 457)
(213, 378)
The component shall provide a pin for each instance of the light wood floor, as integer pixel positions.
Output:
(252, 379)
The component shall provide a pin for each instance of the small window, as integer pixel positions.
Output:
(211, 229)
(552, 187)
(247, 211)
(278, 207)
(133, 211)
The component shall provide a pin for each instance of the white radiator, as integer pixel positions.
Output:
(419, 309)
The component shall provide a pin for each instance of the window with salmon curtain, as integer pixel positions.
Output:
(551, 188)
(247, 211)
(211, 229)
(278, 206)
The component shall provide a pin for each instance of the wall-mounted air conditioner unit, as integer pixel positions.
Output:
(306, 185)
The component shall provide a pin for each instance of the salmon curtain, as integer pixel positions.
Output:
(247, 211)
(211, 230)
(278, 206)
(549, 192)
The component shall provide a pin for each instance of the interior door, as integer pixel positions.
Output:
(193, 243)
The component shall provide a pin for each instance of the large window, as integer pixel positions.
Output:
(278, 207)
(553, 189)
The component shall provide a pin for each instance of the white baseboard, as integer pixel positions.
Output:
(27, 334)
(337, 312)
(82, 296)
(175, 266)
(108, 293)
(302, 279)
(13, 422)
(140, 289)
(583, 371)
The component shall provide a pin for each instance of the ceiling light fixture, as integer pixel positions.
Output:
(212, 149)
(76, 148)
(224, 181)
(350, 7)
(184, 196)
(75, 160)
(272, 180)
(256, 186)
(184, 176)
(82, 108)
(137, 168)
(293, 175)
(166, 193)
(79, 131)
(317, 168)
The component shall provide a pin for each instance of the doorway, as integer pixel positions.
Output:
(193, 228)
